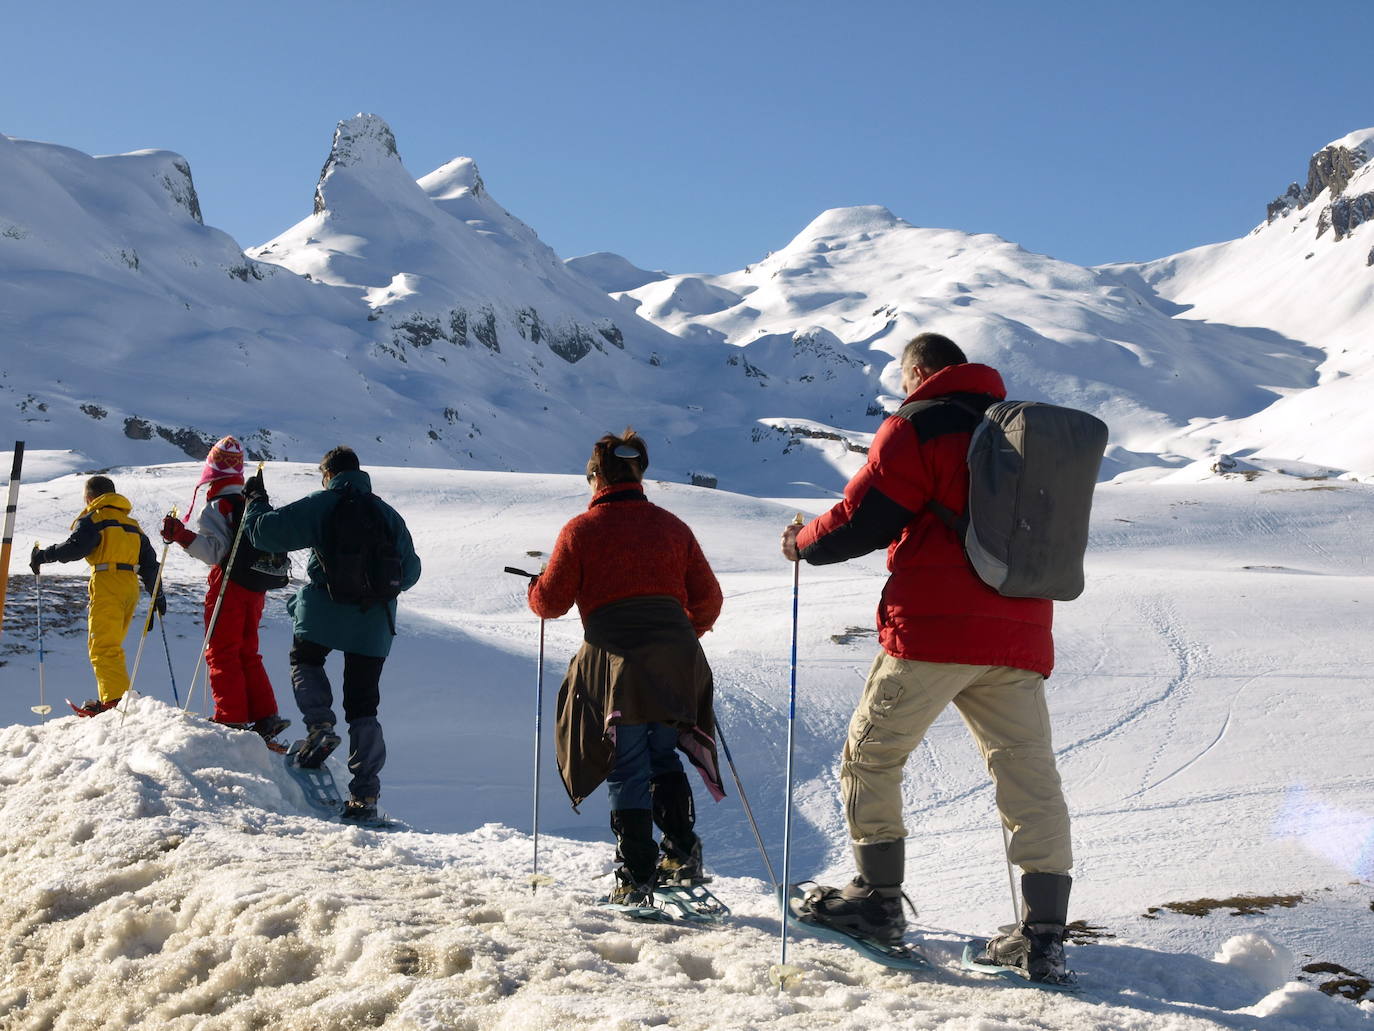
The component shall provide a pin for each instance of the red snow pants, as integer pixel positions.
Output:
(238, 680)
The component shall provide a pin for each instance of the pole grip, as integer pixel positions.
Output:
(521, 572)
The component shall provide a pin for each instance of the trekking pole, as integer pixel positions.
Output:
(7, 539)
(1011, 877)
(772, 877)
(535, 878)
(786, 887)
(170, 671)
(148, 624)
(214, 613)
(42, 708)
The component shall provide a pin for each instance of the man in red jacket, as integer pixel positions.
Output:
(946, 637)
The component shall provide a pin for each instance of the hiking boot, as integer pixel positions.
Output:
(636, 852)
(359, 810)
(1036, 945)
(1037, 949)
(320, 740)
(627, 893)
(270, 726)
(675, 813)
(676, 871)
(869, 906)
(230, 724)
(857, 909)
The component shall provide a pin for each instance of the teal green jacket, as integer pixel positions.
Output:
(318, 618)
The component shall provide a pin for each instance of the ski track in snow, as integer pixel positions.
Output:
(1221, 733)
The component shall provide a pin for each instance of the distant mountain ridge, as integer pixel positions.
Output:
(423, 322)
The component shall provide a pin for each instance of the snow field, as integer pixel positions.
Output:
(1206, 703)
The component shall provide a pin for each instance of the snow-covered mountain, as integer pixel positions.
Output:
(1250, 346)
(1305, 274)
(426, 324)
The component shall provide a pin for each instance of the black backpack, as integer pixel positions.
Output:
(253, 569)
(361, 564)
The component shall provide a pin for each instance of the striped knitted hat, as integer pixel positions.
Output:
(225, 462)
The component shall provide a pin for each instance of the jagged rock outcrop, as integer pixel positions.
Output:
(1331, 170)
(182, 188)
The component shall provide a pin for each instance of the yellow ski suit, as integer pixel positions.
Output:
(111, 541)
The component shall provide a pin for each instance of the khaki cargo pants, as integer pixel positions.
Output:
(1005, 711)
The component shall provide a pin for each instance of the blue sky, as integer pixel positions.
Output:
(697, 137)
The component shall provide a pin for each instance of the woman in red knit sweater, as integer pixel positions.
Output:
(639, 689)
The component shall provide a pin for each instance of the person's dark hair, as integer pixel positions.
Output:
(98, 485)
(932, 352)
(621, 459)
(339, 460)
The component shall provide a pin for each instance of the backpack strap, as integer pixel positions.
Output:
(977, 406)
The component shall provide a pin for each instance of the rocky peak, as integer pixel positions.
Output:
(361, 141)
(1331, 168)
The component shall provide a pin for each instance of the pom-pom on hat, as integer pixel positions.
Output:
(224, 462)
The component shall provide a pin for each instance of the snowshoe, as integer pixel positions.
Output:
(634, 903)
(321, 793)
(272, 746)
(92, 707)
(364, 812)
(692, 903)
(808, 911)
(1031, 955)
(633, 899)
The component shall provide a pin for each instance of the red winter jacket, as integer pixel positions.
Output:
(624, 546)
(934, 608)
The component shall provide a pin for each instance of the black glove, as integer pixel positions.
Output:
(253, 488)
(36, 559)
(160, 603)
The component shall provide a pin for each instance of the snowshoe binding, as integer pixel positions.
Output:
(364, 812)
(634, 899)
(871, 924)
(268, 728)
(1030, 955)
(93, 707)
(320, 741)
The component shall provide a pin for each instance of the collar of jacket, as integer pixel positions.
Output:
(116, 501)
(969, 378)
(618, 492)
(355, 478)
(224, 487)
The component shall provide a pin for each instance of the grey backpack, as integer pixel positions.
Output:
(1032, 469)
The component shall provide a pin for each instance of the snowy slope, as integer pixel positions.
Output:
(1206, 704)
(418, 320)
(869, 281)
(423, 322)
(1306, 273)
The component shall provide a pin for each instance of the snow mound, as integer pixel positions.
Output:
(1263, 959)
(611, 272)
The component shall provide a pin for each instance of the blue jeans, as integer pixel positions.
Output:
(643, 751)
